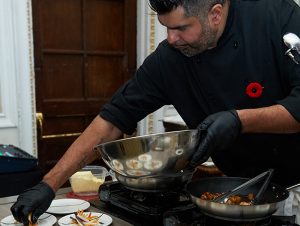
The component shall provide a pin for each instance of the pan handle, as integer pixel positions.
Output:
(263, 188)
(293, 186)
(222, 198)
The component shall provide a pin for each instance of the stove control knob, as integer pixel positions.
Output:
(104, 194)
(171, 221)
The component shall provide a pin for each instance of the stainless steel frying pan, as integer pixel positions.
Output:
(272, 198)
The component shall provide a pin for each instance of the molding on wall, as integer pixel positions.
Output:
(146, 45)
(143, 31)
(152, 16)
(150, 34)
(28, 104)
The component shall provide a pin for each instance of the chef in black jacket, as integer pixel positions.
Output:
(224, 68)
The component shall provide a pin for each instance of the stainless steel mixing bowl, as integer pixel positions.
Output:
(141, 162)
(156, 183)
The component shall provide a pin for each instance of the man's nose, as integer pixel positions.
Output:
(173, 36)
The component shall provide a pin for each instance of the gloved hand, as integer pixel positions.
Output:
(217, 132)
(35, 200)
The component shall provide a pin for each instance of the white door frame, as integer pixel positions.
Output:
(150, 34)
(17, 98)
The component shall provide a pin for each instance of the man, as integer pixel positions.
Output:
(224, 68)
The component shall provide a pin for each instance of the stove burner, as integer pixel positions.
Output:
(168, 209)
(138, 196)
(153, 204)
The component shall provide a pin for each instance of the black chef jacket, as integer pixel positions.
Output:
(251, 50)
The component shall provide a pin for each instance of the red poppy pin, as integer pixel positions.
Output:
(254, 90)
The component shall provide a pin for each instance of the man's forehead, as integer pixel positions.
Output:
(175, 18)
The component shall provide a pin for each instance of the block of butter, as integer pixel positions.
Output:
(86, 182)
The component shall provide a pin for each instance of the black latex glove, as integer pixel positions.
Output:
(217, 132)
(35, 200)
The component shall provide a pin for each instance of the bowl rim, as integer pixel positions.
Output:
(91, 168)
(146, 136)
(87, 167)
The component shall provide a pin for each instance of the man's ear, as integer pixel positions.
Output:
(215, 14)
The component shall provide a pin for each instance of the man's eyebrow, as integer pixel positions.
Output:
(178, 27)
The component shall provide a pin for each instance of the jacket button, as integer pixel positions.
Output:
(275, 151)
(235, 44)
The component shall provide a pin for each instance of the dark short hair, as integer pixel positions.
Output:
(191, 7)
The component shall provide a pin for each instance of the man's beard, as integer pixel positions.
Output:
(206, 41)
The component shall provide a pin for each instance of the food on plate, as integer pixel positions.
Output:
(85, 182)
(87, 219)
(134, 164)
(153, 165)
(145, 157)
(137, 172)
(29, 220)
(118, 165)
(242, 200)
(44, 219)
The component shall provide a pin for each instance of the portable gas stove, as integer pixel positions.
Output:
(168, 209)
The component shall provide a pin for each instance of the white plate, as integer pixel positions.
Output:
(65, 206)
(44, 220)
(104, 219)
